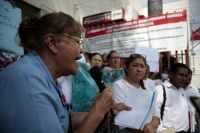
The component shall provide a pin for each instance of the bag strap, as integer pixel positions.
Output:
(70, 129)
(163, 104)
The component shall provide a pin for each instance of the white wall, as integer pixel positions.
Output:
(82, 8)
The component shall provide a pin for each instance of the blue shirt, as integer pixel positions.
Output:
(29, 100)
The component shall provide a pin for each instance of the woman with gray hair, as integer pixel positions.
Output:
(31, 99)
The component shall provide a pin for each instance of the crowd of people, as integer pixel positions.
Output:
(50, 90)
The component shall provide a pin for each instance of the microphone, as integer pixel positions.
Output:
(96, 74)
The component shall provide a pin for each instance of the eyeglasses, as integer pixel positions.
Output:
(79, 40)
(138, 56)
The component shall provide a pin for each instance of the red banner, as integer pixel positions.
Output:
(195, 35)
(139, 23)
(164, 32)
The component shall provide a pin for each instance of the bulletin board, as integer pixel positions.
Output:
(10, 19)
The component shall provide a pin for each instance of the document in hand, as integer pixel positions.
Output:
(142, 103)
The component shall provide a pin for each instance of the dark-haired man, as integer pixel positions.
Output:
(190, 89)
(176, 106)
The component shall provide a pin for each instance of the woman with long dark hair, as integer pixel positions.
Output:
(135, 68)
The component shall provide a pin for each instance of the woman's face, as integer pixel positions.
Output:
(136, 69)
(68, 53)
(114, 60)
(96, 61)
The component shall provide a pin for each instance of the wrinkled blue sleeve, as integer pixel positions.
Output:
(29, 104)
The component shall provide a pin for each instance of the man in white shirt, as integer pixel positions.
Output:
(176, 105)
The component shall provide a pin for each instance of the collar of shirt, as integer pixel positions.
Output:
(168, 84)
(128, 85)
(36, 58)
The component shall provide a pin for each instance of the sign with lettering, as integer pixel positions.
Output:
(151, 55)
(117, 14)
(10, 19)
(104, 17)
(164, 32)
(195, 35)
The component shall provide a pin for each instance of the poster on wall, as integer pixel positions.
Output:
(151, 55)
(10, 19)
(164, 32)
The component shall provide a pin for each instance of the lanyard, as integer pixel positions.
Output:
(63, 99)
(67, 105)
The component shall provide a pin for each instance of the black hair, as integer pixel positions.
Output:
(189, 71)
(32, 31)
(131, 58)
(172, 59)
(88, 54)
(165, 68)
(108, 57)
(176, 66)
(93, 54)
(147, 66)
(104, 54)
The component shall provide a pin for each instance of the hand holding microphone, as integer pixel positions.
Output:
(97, 74)
(104, 101)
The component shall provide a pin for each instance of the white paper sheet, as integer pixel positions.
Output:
(142, 102)
(152, 57)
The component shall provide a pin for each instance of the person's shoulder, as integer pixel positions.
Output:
(23, 67)
(159, 87)
(147, 87)
(150, 80)
(193, 87)
(119, 85)
(192, 90)
(167, 84)
(107, 69)
(118, 82)
(14, 67)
